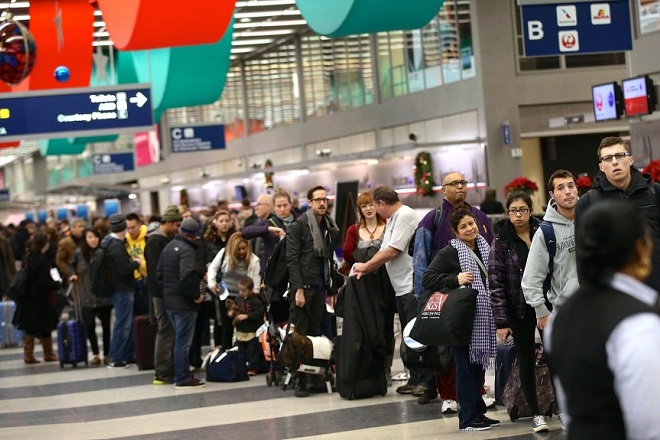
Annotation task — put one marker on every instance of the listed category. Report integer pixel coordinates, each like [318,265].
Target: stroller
[309,355]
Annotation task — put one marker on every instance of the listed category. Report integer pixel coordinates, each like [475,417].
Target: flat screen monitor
[607,101]
[638,96]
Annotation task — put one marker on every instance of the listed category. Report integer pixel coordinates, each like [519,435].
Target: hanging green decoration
[423,170]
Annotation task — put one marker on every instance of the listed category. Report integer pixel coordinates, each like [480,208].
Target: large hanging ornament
[18,51]
[423,170]
[62,74]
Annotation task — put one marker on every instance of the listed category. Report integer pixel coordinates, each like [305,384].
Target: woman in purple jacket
[512,315]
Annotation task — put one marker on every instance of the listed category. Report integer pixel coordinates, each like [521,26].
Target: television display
[638,96]
[607,101]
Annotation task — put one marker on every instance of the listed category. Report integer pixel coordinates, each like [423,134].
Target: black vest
[578,357]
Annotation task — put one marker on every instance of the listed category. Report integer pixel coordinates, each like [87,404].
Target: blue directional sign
[197,138]
[113,163]
[4,195]
[575,27]
[75,112]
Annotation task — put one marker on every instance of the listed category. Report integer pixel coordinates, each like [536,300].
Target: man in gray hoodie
[560,214]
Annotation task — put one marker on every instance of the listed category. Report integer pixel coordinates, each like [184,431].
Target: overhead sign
[4,195]
[113,163]
[197,138]
[576,27]
[75,112]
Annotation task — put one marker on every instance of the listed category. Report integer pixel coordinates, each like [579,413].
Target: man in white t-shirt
[401,225]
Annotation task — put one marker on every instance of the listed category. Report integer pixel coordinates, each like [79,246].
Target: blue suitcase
[10,336]
[506,355]
[72,338]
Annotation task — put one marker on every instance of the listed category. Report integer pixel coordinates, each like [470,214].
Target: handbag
[446,318]
[18,286]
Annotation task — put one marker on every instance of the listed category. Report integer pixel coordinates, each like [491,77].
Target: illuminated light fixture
[264,3]
[245,20]
[242,50]
[15,5]
[264,14]
[132,196]
[252,33]
[273,23]
[248,42]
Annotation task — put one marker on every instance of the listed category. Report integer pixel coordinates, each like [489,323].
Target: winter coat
[121,264]
[80,267]
[505,271]
[35,313]
[645,194]
[152,251]
[260,229]
[178,274]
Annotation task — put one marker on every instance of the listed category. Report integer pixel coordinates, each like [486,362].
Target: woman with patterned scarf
[463,263]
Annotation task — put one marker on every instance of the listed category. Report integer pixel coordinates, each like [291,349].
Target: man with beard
[620,179]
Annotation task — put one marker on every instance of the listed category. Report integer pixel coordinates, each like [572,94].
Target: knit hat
[171,214]
[190,226]
[117,223]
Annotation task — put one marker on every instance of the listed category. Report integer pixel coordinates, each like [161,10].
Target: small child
[247,313]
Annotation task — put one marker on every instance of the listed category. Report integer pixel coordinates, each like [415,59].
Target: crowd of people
[601,341]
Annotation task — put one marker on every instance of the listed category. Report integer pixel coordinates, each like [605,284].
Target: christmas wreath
[423,170]
[521,184]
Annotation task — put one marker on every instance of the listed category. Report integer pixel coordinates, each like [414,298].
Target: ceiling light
[252,33]
[264,3]
[247,42]
[266,14]
[132,196]
[271,23]
[242,49]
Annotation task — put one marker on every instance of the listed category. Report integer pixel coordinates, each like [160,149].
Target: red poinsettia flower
[521,184]
[584,182]
[653,168]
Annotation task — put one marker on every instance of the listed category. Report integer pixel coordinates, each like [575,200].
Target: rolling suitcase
[144,332]
[506,355]
[72,337]
[10,336]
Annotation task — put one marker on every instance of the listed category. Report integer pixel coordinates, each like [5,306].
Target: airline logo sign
[573,28]
[566,16]
[600,14]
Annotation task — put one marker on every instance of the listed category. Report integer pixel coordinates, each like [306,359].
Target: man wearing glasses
[433,233]
[309,253]
[619,178]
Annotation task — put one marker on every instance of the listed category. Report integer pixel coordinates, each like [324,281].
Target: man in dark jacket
[122,266]
[619,179]
[179,277]
[163,360]
[309,253]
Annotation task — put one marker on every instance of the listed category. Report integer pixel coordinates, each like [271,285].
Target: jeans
[469,378]
[252,349]
[122,346]
[163,352]
[183,322]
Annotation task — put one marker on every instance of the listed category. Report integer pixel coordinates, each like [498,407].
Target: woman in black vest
[604,342]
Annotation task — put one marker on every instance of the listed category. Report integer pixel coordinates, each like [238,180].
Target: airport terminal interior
[179,104]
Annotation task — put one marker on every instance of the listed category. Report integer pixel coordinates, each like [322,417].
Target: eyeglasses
[455,183]
[367,206]
[617,156]
[320,200]
[516,211]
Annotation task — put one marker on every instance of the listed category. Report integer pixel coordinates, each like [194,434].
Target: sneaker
[491,422]
[427,397]
[405,389]
[477,426]
[489,401]
[449,406]
[401,377]
[560,416]
[418,390]
[190,384]
[538,424]
[158,381]
[117,364]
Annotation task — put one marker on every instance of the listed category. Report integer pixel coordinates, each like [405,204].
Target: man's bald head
[264,206]
[454,187]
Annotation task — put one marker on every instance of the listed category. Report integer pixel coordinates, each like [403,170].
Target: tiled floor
[45,402]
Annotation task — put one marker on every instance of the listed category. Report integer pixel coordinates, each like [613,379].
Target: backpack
[100,275]
[551,244]
[277,272]
[437,218]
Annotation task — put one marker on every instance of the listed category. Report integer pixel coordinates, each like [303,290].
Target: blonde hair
[232,247]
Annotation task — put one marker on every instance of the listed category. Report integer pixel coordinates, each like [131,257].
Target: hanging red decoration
[18,51]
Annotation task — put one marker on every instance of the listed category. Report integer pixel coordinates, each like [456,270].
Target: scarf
[320,247]
[483,345]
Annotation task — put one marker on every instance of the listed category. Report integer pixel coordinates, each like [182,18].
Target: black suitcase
[144,334]
[370,380]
